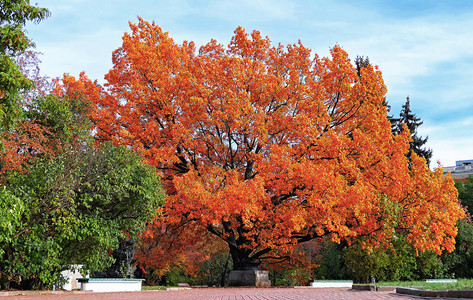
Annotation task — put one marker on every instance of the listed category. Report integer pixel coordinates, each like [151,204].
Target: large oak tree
[268,146]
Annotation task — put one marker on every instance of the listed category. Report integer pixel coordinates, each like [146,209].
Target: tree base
[256,278]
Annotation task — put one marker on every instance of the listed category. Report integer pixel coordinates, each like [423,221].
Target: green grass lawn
[154,287]
[461,284]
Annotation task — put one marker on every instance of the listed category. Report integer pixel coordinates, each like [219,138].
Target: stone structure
[258,278]
[71,275]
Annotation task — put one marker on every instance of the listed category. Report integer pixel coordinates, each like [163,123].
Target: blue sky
[424,48]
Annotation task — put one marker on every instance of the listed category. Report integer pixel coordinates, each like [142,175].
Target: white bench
[102,285]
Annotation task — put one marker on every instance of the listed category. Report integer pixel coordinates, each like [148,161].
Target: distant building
[461,171]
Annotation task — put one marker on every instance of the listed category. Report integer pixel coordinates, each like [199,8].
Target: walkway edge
[40,292]
[430,293]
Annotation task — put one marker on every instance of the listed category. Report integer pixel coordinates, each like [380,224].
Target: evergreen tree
[394,121]
[407,117]
[465,193]
[360,63]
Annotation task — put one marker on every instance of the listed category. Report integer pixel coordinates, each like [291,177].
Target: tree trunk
[246,269]
[242,260]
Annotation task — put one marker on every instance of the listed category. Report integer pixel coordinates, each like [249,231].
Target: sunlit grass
[154,287]
[461,284]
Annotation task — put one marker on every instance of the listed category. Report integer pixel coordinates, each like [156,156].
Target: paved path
[228,294]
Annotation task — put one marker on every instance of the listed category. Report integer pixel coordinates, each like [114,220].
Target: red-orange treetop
[267,146]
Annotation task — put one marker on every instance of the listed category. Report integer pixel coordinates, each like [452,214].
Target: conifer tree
[406,116]
[360,63]
[394,121]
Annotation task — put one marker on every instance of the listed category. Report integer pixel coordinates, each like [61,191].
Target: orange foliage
[304,257]
[267,146]
[21,145]
[161,247]
[28,139]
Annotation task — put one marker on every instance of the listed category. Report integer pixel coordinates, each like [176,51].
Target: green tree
[459,262]
[49,124]
[412,122]
[65,118]
[332,264]
[399,263]
[13,16]
[214,271]
[465,193]
[76,206]
[124,258]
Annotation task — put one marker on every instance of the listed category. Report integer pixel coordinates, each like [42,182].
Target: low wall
[102,285]
[373,287]
[435,294]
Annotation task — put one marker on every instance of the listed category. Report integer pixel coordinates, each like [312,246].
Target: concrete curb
[37,293]
[383,288]
[435,294]
[373,288]
[363,287]
[179,288]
